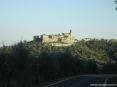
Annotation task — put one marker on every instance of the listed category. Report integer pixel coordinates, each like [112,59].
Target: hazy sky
[22,19]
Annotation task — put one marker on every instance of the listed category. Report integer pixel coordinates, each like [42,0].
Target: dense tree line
[28,63]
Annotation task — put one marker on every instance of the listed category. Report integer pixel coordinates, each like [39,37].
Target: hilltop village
[64,39]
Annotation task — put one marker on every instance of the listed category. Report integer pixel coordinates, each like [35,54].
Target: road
[85,81]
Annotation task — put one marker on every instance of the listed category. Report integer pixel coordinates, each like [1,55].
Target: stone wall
[64,39]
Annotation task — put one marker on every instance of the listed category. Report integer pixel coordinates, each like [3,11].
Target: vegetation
[29,63]
[116,4]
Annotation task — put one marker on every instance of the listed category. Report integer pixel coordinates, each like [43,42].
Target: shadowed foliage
[29,63]
[116,4]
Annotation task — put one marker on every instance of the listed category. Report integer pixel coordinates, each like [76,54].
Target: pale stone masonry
[64,39]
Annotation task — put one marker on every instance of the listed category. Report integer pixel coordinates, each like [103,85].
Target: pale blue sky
[22,19]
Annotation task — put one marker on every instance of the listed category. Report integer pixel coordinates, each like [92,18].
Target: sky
[22,19]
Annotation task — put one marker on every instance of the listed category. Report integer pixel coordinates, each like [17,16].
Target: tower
[70,34]
[70,31]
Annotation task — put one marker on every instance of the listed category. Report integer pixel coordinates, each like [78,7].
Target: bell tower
[70,34]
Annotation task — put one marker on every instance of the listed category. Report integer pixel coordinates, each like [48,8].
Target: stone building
[64,39]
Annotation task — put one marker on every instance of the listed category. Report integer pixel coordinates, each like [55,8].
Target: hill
[33,63]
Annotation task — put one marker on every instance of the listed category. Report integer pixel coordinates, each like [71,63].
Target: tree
[116,4]
[47,68]
[88,67]
[21,54]
[113,54]
[67,64]
[110,68]
[6,65]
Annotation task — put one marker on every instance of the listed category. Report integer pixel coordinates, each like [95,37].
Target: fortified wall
[64,39]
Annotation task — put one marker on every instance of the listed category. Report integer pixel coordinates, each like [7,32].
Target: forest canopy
[27,63]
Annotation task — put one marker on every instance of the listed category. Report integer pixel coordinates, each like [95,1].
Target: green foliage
[116,4]
[28,63]
[110,68]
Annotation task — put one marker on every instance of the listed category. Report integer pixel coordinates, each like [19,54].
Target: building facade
[64,39]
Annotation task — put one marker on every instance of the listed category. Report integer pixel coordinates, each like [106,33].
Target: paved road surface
[84,81]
